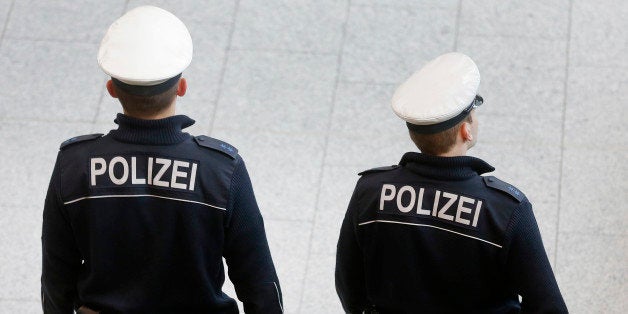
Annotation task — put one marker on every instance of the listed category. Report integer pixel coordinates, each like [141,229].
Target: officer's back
[140,219]
[431,234]
[148,218]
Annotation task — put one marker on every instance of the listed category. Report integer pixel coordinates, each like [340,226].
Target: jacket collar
[445,168]
[165,131]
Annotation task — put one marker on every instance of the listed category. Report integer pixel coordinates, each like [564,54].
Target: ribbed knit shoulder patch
[497,184]
[379,169]
[217,145]
[78,139]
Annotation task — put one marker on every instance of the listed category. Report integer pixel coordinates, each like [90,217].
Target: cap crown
[145,46]
[439,91]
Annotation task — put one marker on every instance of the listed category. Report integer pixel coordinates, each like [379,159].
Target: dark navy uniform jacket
[431,235]
[139,220]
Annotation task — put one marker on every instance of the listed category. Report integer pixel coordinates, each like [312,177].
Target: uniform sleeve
[60,257]
[529,269]
[350,281]
[247,253]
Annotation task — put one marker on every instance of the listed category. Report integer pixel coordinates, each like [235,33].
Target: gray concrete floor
[302,88]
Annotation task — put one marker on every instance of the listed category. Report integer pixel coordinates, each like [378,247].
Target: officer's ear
[182,88]
[111,90]
[465,131]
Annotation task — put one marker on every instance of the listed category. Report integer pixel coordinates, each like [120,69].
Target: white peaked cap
[440,91]
[146,46]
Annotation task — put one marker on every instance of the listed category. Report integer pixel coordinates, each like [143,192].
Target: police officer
[139,220]
[431,234]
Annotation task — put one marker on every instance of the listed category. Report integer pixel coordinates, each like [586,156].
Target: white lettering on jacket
[415,201]
[142,170]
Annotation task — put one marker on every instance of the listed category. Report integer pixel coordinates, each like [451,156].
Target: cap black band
[442,126]
[146,90]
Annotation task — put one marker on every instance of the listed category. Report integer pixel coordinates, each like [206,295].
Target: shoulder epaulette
[379,169]
[78,139]
[500,185]
[218,145]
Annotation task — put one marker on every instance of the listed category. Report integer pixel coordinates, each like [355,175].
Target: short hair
[438,143]
[135,104]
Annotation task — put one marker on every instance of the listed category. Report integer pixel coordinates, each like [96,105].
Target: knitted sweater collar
[445,168]
[165,131]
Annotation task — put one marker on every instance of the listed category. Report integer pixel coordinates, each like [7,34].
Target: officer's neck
[453,153]
[167,112]
[459,149]
[464,142]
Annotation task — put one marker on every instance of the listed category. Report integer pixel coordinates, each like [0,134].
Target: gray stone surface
[5,6]
[200,110]
[534,129]
[536,18]
[20,306]
[336,189]
[277,91]
[594,166]
[598,36]
[21,255]
[313,26]
[203,75]
[288,244]
[520,76]
[597,112]
[319,295]
[386,44]
[284,169]
[591,271]
[366,151]
[49,80]
[306,101]
[28,156]
[451,5]
[594,185]
[364,108]
[195,13]
[58,20]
